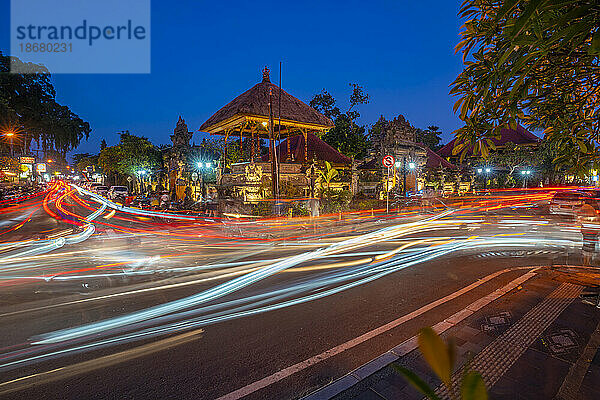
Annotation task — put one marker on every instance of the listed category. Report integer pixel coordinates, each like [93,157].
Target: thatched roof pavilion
[248,115]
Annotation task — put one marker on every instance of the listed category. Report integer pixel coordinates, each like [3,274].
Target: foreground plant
[440,357]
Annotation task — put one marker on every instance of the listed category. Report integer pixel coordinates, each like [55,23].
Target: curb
[369,368]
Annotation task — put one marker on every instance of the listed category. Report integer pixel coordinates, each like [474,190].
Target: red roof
[317,149]
[435,161]
[516,136]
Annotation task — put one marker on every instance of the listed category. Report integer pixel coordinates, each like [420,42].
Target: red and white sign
[388,161]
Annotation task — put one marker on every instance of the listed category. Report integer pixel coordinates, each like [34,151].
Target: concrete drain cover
[496,322]
[561,341]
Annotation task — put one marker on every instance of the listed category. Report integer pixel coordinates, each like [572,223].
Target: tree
[131,155]
[513,157]
[430,137]
[27,102]
[108,160]
[533,62]
[84,160]
[137,153]
[102,144]
[346,136]
[325,104]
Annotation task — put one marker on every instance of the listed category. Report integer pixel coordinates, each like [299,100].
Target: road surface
[104,301]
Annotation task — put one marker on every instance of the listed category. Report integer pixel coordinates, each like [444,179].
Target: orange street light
[50,161]
[9,134]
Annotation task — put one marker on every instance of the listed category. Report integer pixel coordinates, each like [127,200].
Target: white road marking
[286,372]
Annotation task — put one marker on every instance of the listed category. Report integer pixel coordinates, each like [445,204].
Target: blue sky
[205,53]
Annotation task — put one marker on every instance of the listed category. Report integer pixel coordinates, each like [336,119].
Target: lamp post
[525,173]
[10,135]
[485,171]
[141,173]
[413,168]
[202,166]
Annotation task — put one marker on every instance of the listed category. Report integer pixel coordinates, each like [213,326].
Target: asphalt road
[134,305]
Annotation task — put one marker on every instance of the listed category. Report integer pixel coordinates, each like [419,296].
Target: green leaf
[436,353]
[582,146]
[521,22]
[595,47]
[508,6]
[416,382]
[473,387]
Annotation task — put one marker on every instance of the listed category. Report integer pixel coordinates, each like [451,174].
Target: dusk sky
[206,53]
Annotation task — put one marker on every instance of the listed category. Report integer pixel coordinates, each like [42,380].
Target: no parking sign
[388,161]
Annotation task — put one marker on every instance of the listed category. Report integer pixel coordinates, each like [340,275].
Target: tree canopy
[28,105]
[132,154]
[430,137]
[346,136]
[533,62]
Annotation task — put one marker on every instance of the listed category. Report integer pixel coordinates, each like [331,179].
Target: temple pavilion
[292,129]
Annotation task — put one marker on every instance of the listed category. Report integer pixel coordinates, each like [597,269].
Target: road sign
[194,176]
[40,167]
[388,161]
[129,179]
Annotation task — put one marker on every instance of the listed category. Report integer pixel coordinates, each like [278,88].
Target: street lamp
[10,134]
[487,171]
[411,165]
[141,173]
[525,173]
[201,166]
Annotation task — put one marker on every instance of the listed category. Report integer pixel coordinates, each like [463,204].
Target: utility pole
[274,171]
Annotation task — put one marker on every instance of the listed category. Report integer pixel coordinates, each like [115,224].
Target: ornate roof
[516,136]
[317,150]
[255,103]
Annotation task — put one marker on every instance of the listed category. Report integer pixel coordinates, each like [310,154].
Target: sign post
[388,162]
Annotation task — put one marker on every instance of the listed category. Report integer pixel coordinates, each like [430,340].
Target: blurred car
[101,190]
[117,191]
[141,201]
[92,187]
[570,202]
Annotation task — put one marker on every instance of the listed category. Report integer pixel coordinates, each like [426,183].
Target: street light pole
[404,175]
[525,174]
[387,192]
[10,136]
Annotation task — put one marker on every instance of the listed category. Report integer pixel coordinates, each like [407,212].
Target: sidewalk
[537,341]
